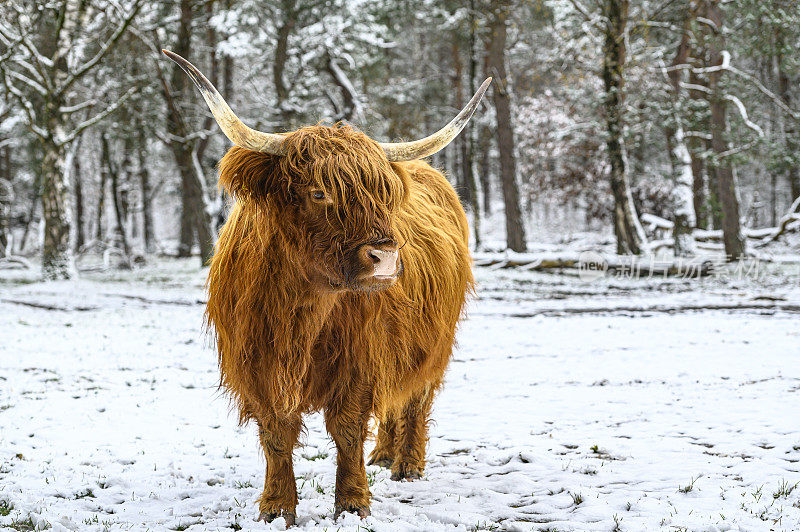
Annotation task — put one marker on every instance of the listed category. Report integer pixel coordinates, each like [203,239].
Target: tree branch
[29,82]
[77,107]
[77,130]
[743,111]
[24,103]
[104,48]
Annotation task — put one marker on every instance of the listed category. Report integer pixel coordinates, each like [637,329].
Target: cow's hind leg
[411,436]
[383,453]
[346,420]
[278,438]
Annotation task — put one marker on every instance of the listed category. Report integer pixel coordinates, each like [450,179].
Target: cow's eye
[318,195]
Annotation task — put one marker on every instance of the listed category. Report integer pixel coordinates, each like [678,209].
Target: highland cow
[336,285]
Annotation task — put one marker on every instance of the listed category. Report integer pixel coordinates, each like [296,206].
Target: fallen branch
[182,303]
[786,223]
[596,265]
[15,262]
[45,306]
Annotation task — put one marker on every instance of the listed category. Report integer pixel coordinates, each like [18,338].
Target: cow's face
[344,197]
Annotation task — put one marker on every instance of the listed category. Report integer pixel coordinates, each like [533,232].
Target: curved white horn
[408,151]
[234,129]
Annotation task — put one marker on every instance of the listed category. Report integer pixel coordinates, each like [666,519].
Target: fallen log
[14,262]
[594,265]
[44,306]
[790,222]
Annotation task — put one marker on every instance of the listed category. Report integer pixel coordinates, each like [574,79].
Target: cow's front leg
[346,421]
[278,438]
[411,436]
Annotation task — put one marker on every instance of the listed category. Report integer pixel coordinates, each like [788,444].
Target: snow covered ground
[611,405]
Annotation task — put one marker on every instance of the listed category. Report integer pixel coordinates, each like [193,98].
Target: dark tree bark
[113,173]
[227,69]
[37,192]
[515,231]
[725,173]
[56,256]
[145,194]
[285,29]
[468,144]
[484,167]
[457,77]
[627,228]
[101,200]
[175,125]
[698,147]
[6,196]
[194,218]
[790,124]
[77,183]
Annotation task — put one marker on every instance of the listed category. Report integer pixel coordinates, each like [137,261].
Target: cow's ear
[251,175]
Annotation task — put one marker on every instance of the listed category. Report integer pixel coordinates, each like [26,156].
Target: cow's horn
[234,129]
[408,151]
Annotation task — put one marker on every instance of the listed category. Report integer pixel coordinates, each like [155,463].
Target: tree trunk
[6,197]
[186,236]
[725,173]
[37,192]
[144,194]
[789,123]
[120,238]
[515,231]
[201,217]
[101,202]
[698,147]
[285,29]
[468,146]
[627,228]
[227,69]
[698,187]
[684,220]
[194,219]
[77,180]
[484,168]
[56,256]
[458,93]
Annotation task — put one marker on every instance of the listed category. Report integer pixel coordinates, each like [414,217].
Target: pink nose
[384,261]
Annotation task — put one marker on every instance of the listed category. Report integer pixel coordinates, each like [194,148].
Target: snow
[629,413]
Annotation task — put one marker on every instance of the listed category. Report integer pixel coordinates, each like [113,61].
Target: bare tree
[496,45]
[725,172]
[684,220]
[628,229]
[77,187]
[791,132]
[50,51]
[182,142]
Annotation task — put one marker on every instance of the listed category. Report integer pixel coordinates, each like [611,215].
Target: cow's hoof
[383,461]
[361,511]
[268,517]
[406,471]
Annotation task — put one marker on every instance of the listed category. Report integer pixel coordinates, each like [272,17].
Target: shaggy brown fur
[297,328]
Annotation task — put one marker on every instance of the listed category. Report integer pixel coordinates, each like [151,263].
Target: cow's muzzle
[378,263]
